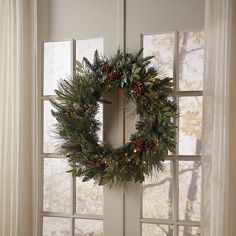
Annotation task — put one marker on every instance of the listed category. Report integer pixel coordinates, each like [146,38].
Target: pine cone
[79,111]
[139,145]
[138,88]
[150,145]
[109,78]
[96,162]
[106,69]
[108,73]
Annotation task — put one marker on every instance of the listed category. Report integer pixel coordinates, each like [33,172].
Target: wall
[79,19]
[66,19]
[152,16]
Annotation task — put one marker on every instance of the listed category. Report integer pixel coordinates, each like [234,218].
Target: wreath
[77,103]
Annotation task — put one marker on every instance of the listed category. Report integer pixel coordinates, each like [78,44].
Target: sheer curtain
[219,131]
[17,86]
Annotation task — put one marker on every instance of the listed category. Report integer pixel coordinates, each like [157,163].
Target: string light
[135,151]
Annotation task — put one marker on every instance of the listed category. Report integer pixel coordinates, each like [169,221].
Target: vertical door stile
[114,206]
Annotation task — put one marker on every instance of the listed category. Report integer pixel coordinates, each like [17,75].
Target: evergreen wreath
[77,104]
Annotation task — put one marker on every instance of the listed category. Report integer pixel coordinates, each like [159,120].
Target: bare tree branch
[193,50]
[151,185]
[163,230]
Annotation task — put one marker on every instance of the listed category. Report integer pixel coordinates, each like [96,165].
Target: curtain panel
[17,117]
[219,131]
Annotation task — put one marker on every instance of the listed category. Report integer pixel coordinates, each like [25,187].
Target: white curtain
[219,119]
[17,109]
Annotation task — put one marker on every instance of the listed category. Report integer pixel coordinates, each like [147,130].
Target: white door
[169,203]
[69,207]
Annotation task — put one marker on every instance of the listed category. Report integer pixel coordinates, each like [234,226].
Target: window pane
[89,198]
[51,139]
[57,64]
[162,47]
[86,48]
[189,231]
[99,116]
[190,125]
[158,195]
[57,185]
[56,226]
[157,230]
[189,190]
[88,227]
[191,59]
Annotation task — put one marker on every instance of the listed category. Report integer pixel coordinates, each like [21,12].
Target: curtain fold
[17,97]
[219,131]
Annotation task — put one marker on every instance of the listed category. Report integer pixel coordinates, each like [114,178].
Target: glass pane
[56,226]
[57,64]
[189,231]
[51,139]
[190,125]
[191,59]
[57,185]
[86,48]
[162,47]
[157,230]
[89,198]
[88,228]
[158,195]
[99,116]
[189,190]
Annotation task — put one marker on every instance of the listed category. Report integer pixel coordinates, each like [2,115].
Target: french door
[165,205]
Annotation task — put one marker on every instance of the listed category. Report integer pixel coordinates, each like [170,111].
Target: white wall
[79,19]
[66,19]
[152,16]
